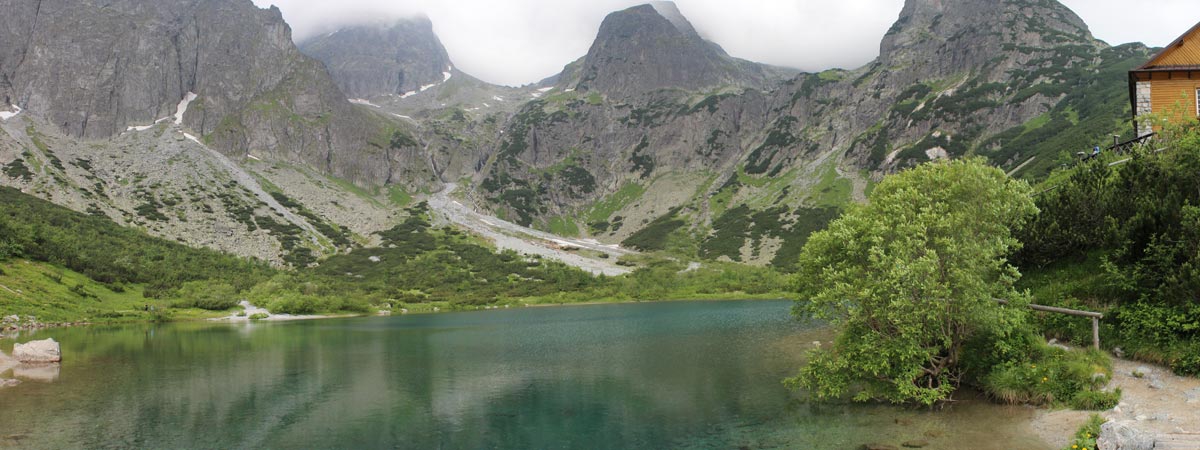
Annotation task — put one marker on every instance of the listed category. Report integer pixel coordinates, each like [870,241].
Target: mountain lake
[689,375]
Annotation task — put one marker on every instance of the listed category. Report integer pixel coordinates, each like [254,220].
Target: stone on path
[38,352]
[1123,435]
[1193,396]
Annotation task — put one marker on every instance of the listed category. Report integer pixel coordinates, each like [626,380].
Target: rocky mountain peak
[225,70]
[392,58]
[653,46]
[671,12]
[1029,21]
[970,33]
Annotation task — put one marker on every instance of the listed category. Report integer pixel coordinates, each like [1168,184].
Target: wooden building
[1169,83]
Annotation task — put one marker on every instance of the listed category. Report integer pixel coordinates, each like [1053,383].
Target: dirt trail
[508,235]
[1158,401]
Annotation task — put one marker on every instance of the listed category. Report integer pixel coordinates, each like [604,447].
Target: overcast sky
[515,42]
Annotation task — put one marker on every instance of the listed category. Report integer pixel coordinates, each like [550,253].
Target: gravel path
[1158,401]
[508,235]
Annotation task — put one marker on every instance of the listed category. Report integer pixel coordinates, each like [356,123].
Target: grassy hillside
[53,294]
[64,266]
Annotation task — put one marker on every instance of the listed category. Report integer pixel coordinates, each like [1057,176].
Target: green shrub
[259,316]
[654,236]
[1085,438]
[210,295]
[1096,400]
[1053,376]
[1187,361]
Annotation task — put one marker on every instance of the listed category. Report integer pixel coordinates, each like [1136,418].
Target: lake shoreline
[231,316]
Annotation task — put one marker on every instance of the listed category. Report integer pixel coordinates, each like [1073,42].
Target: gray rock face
[95,67]
[953,78]
[1124,436]
[38,352]
[651,47]
[944,36]
[373,60]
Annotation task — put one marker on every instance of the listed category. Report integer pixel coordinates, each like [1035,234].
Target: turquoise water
[656,375]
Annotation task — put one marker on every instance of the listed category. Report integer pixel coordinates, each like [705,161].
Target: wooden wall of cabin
[1174,94]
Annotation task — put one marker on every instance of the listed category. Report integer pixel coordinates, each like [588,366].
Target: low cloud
[514,42]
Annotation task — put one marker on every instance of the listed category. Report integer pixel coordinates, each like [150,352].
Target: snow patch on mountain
[363,101]
[182,108]
[5,115]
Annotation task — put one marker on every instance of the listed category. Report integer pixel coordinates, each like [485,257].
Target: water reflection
[629,376]
[44,373]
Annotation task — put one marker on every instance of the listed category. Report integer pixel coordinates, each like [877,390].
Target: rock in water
[38,352]
[1124,435]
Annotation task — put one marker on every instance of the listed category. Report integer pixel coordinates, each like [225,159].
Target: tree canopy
[910,278]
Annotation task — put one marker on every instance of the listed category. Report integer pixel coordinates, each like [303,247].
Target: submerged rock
[1124,435]
[38,352]
[8,382]
[878,447]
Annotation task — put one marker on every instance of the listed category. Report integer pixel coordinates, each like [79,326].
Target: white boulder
[38,352]
[1124,435]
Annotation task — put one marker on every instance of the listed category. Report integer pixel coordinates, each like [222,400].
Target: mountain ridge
[701,155]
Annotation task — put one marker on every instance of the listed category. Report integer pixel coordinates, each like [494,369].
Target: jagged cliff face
[656,138]
[651,47]
[374,60]
[197,120]
[943,37]
[743,165]
[94,68]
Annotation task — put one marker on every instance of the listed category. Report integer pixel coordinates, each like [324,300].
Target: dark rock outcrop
[651,47]
[651,98]
[95,67]
[373,60]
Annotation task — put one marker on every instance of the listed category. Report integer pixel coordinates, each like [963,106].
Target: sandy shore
[1159,401]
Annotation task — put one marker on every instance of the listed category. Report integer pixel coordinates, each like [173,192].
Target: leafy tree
[210,295]
[911,278]
[12,235]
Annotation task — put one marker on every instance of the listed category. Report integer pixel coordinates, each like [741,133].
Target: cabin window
[1197,102]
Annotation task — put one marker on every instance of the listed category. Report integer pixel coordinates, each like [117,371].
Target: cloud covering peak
[515,42]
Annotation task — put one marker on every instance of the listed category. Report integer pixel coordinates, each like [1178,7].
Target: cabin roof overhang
[1152,64]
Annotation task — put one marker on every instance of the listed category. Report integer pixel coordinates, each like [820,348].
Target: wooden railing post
[1072,312]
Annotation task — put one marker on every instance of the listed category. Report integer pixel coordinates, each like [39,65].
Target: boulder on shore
[38,352]
[1124,435]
